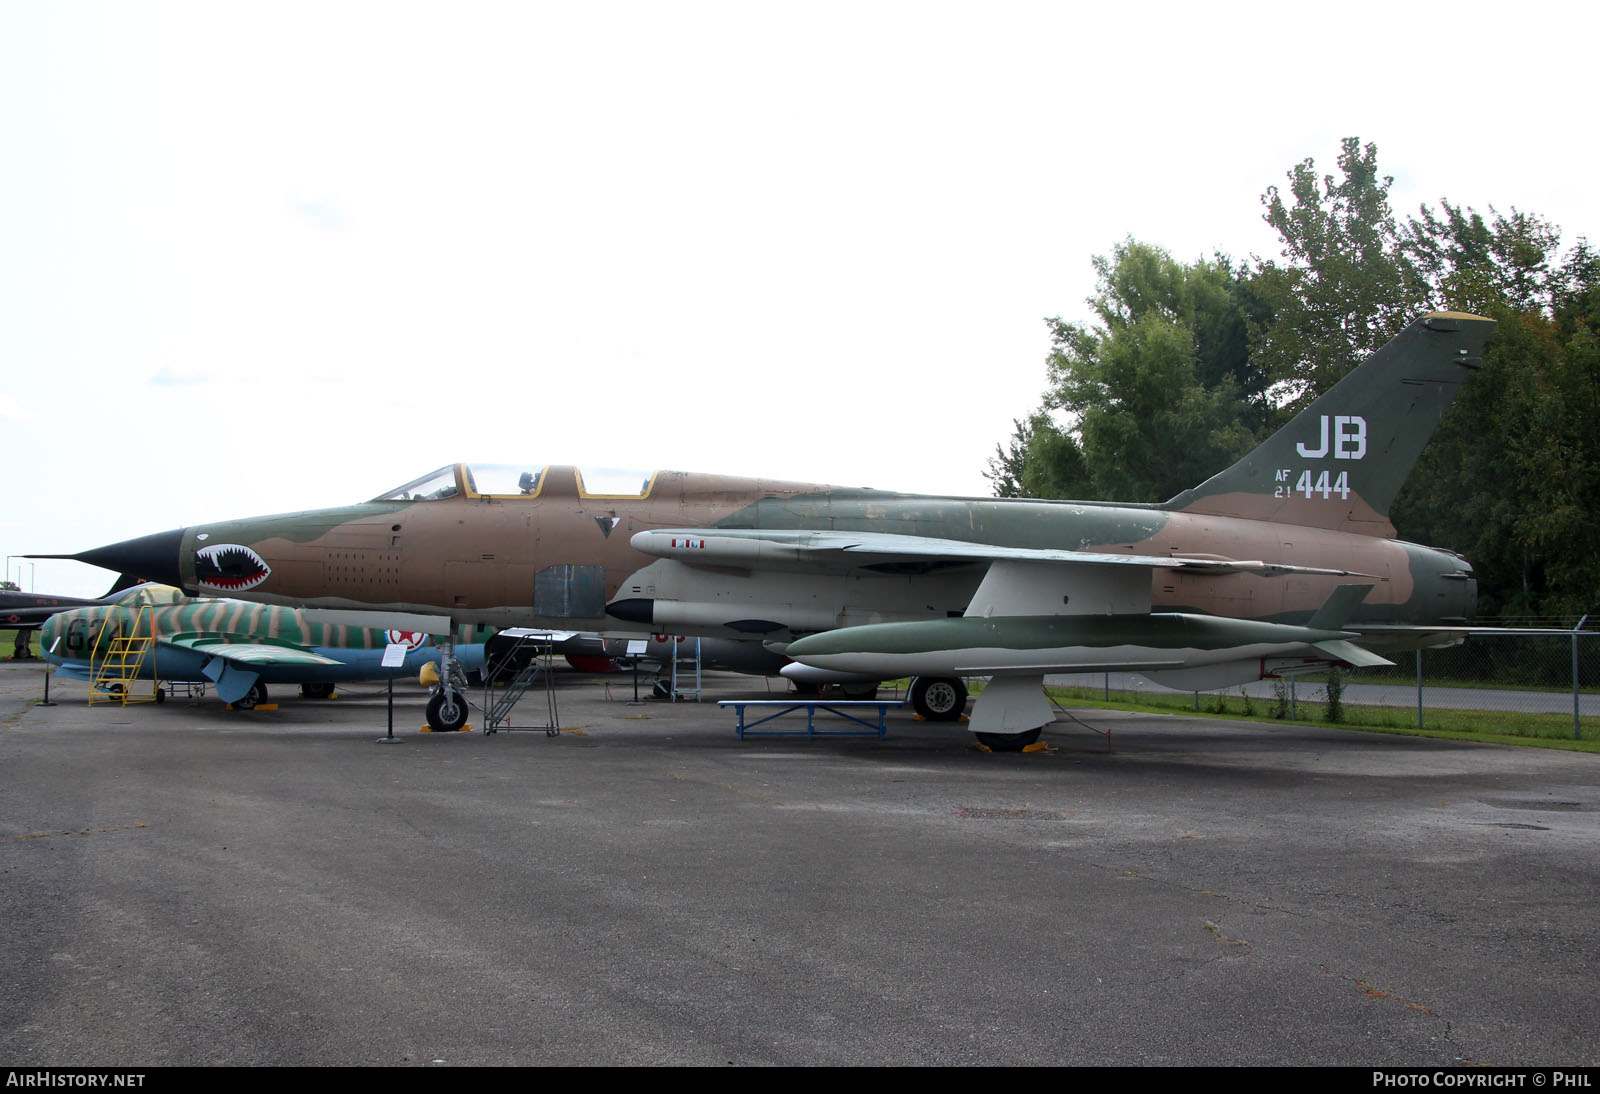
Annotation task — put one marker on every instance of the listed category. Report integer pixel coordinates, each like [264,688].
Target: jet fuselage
[557,558]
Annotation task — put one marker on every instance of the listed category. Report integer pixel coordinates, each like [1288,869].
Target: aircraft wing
[555,637]
[814,550]
[248,653]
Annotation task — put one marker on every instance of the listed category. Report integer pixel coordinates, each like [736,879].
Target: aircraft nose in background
[148,558]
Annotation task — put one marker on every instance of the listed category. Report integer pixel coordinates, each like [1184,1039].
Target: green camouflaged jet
[1284,562]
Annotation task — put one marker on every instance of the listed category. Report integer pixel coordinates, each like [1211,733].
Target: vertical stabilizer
[1342,460]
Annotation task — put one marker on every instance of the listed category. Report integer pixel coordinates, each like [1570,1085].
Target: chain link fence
[1523,683]
[1549,673]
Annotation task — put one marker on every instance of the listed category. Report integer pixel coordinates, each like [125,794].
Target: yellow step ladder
[116,666]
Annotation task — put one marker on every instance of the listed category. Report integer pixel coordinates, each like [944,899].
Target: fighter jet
[28,611]
[241,648]
[1286,561]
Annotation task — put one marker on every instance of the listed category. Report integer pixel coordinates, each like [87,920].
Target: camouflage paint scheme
[232,644]
[1268,540]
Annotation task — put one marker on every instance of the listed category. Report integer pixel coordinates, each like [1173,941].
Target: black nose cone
[148,558]
[636,610]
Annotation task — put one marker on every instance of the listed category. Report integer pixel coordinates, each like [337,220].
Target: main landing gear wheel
[318,690]
[939,698]
[447,712]
[859,691]
[252,698]
[1008,742]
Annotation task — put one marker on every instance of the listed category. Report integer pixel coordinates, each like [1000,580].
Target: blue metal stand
[780,707]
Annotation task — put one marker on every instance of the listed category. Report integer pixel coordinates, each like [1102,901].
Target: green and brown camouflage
[1268,540]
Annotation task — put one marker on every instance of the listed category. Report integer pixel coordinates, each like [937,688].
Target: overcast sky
[264,257]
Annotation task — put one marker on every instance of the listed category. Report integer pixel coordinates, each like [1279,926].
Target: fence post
[1419,687]
[1576,721]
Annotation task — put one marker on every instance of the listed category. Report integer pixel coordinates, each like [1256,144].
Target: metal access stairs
[498,712]
[684,670]
[118,657]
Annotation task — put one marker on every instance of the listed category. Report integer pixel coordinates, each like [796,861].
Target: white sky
[264,257]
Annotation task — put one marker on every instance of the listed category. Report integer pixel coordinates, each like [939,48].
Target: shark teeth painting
[229,568]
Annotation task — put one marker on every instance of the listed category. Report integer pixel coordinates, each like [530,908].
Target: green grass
[1490,726]
[1410,680]
[8,637]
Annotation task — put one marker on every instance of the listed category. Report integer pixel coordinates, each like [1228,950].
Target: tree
[1040,461]
[1476,266]
[1511,473]
[1512,480]
[1345,286]
[1154,397]
[1183,368]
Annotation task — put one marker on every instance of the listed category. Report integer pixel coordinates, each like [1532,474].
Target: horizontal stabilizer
[1352,654]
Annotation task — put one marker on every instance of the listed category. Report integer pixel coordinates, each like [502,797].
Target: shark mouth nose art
[229,567]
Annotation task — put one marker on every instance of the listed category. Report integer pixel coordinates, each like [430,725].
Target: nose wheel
[447,711]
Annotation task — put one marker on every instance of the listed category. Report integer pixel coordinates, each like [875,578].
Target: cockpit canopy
[488,480]
[138,596]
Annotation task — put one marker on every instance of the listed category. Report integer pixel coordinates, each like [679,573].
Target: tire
[447,715]
[939,698]
[859,691]
[252,698]
[318,690]
[1008,742]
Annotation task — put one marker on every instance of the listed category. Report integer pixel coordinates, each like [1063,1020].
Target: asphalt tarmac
[182,884]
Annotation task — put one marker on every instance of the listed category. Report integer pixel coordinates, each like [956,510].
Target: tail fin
[1342,460]
[124,581]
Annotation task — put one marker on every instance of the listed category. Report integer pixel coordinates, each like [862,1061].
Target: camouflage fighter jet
[1285,561]
[240,648]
